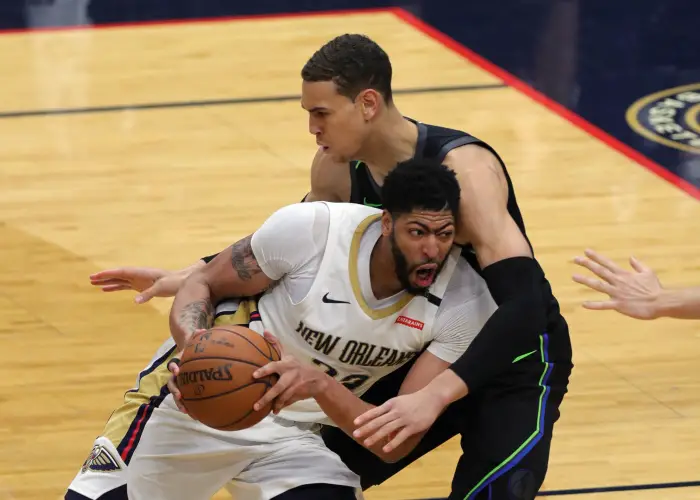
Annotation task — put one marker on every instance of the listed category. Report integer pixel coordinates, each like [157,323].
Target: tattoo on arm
[243,260]
[197,315]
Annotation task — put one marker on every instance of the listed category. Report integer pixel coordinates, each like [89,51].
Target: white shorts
[179,458]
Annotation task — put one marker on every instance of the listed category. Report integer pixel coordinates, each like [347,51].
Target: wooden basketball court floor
[87,190]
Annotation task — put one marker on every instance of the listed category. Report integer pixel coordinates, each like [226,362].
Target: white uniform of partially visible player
[324,313]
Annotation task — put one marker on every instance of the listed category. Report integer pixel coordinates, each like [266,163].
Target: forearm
[192,309]
[447,387]
[681,303]
[343,407]
[517,287]
[187,271]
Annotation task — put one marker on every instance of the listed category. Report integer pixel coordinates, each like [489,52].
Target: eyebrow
[430,230]
[316,108]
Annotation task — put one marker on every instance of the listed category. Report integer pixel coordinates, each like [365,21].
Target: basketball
[216,377]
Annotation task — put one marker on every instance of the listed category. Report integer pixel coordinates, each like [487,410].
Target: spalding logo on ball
[216,377]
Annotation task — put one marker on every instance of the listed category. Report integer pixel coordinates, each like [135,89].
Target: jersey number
[350,382]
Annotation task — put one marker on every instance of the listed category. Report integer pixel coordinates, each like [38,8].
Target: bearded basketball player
[381,286]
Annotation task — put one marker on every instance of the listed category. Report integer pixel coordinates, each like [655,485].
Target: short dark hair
[354,63]
[420,184]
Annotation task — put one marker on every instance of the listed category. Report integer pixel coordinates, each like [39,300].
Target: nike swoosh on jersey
[333,301]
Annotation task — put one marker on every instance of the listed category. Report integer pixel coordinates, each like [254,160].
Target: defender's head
[421,209]
[346,83]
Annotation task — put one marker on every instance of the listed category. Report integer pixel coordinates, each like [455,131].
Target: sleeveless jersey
[435,142]
[334,328]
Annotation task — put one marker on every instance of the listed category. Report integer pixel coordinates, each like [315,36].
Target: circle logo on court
[670,117]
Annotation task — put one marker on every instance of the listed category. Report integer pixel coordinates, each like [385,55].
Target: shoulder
[464,283]
[291,237]
[467,296]
[297,215]
[476,161]
[330,179]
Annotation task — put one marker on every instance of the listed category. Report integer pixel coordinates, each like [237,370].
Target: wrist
[322,386]
[447,388]
[665,303]
[185,272]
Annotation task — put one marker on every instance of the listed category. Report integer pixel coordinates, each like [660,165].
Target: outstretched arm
[514,278]
[637,293]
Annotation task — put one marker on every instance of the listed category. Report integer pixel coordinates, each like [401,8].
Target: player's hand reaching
[398,419]
[150,282]
[296,381]
[632,293]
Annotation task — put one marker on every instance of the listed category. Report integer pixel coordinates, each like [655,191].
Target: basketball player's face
[420,244]
[339,124]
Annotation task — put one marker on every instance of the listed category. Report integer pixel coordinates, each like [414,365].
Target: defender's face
[421,242]
[335,120]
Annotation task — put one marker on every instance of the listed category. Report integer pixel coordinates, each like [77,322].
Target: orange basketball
[216,377]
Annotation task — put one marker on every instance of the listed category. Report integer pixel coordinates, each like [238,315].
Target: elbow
[530,309]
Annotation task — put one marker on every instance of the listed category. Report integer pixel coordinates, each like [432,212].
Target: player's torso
[335,329]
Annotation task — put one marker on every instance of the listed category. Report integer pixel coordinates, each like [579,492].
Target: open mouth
[425,275]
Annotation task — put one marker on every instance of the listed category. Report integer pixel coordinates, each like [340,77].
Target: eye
[416,232]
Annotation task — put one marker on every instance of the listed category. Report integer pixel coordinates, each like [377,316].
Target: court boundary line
[508,78]
[553,106]
[4,115]
[610,489]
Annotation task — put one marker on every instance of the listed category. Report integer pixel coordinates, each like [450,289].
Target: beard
[403,272]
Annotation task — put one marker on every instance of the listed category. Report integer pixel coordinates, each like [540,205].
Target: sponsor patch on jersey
[411,323]
[670,117]
[100,460]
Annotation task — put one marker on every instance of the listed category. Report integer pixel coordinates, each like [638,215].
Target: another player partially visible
[637,293]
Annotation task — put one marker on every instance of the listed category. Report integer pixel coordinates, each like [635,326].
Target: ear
[370,102]
[387,223]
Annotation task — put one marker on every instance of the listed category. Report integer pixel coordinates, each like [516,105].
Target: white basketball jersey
[334,328]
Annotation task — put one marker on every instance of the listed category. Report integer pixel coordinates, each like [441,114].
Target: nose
[430,247]
[314,129]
